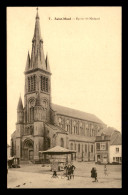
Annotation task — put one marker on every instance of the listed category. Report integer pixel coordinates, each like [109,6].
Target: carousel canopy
[58,150]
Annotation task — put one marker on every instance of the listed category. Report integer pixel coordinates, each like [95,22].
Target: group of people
[69,172]
[69,168]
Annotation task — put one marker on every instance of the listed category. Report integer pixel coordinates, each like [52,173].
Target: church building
[40,123]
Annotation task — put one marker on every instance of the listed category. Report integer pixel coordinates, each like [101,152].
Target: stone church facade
[40,123]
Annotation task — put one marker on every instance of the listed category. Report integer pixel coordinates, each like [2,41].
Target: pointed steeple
[37,31]
[28,62]
[47,63]
[20,104]
[37,55]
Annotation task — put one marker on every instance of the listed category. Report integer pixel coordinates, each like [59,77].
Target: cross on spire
[37,13]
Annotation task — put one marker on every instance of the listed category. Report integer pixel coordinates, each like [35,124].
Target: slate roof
[115,135]
[108,131]
[116,139]
[76,113]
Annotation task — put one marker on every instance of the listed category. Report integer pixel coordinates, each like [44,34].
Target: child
[54,174]
[105,170]
[95,175]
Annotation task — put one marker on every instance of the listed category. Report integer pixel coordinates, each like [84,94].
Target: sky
[84,55]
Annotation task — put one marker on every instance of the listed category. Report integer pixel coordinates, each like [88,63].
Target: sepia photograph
[64,97]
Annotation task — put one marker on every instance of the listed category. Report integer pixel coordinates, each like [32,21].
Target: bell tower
[37,79]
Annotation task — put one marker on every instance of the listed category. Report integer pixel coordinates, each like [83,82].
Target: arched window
[27,131]
[66,128]
[69,129]
[47,143]
[71,146]
[54,140]
[74,130]
[29,85]
[75,147]
[78,147]
[46,83]
[31,104]
[85,148]
[43,83]
[34,82]
[31,114]
[32,86]
[62,142]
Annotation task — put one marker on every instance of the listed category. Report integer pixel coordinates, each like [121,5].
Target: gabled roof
[76,113]
[116,140]
[112,133]
[108,131]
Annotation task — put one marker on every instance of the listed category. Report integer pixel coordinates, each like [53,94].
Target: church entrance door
[30,154]
[28,149]
[25,154]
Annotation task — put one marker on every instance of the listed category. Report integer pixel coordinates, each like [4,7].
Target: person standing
[72,170]
[94,174]
[66,169]
[69,172]
[105,170]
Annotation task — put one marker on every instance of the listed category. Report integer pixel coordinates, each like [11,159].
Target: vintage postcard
[64,97]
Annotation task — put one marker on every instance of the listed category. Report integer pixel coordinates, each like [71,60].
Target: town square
[36,176]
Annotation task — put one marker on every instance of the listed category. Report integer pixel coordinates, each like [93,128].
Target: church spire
[37,55]
[20,104]
[47,63]
[28,62]
[37,31]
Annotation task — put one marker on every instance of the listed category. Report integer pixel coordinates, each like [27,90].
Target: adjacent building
[40,123]
[102,148]
[108,146]
[115,154]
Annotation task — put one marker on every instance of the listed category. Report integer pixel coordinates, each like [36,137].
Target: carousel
[58,157]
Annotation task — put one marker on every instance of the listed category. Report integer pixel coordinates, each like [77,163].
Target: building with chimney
[40,123]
